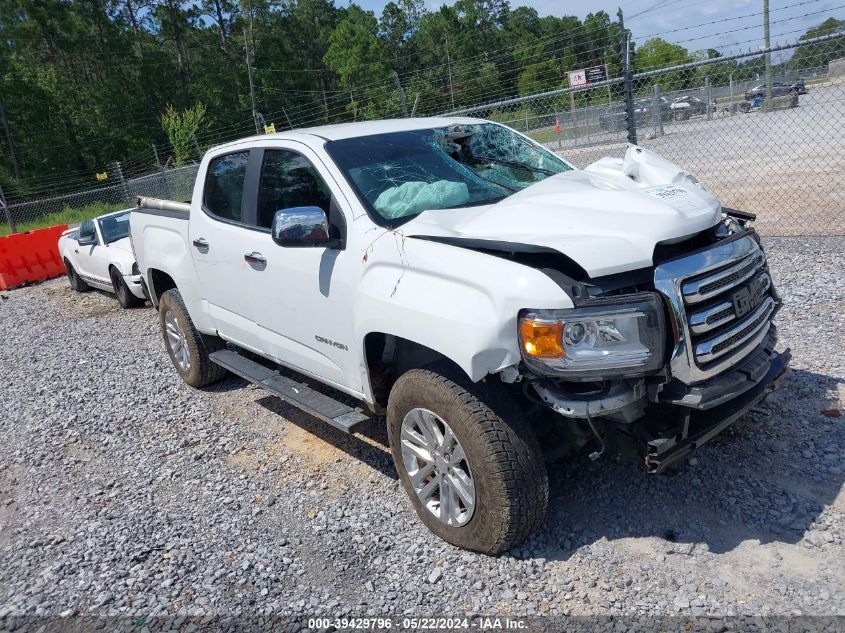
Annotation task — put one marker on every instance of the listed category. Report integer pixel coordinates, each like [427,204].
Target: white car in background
[98,254]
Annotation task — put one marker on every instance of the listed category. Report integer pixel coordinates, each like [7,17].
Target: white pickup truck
[479,292]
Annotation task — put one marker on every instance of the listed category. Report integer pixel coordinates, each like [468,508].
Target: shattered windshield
[401,174]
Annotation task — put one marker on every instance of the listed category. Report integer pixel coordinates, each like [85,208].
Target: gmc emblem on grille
[748,297]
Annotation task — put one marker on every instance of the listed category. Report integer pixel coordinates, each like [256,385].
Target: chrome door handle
[201,242]
[255,258]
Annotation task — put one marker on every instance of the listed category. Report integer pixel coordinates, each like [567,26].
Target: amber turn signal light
[541,339]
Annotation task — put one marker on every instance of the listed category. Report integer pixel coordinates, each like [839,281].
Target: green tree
[181,128]
[818,55]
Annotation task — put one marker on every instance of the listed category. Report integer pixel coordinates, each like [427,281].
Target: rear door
[221,237]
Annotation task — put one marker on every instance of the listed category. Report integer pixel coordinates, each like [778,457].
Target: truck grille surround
[722,302]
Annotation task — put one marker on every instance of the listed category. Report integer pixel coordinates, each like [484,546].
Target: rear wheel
[124,296]
[475,478]
[75,280]
[188,348]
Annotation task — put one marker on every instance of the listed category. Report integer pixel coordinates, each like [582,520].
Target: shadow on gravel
[768,479]
[230,383]
[376,454]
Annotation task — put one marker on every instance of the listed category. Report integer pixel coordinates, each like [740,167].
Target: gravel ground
[123,491]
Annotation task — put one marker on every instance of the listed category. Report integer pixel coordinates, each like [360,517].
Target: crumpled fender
[456,301]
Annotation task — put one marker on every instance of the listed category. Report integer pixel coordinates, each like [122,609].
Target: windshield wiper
[513,163]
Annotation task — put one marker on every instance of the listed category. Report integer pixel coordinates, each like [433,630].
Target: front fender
[123,262]
[458,302]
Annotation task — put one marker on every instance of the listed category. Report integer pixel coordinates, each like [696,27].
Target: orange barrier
[31,256]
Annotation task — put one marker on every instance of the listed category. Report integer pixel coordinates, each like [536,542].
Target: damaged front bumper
[666,425]
[662,445]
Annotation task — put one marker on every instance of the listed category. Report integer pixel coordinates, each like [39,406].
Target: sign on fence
[596,74]
[577,78]
[587,76]
[102,175]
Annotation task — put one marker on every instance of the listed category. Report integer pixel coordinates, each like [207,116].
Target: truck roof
[363,128]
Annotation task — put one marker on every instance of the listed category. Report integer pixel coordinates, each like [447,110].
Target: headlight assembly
[615,337]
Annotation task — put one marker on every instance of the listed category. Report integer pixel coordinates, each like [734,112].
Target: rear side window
[224,186]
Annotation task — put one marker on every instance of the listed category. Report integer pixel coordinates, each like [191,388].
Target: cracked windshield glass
[401,174]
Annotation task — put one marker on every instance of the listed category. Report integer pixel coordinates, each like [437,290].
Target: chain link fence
[782,158]
[174,183]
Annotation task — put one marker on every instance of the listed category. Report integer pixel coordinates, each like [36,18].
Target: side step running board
[300,395]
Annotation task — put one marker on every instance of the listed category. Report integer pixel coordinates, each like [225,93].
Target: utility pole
[768,43]
[449,65]
[285,112]
[625,46]
[118,171]
[401,92]
[10,140]
[8,214]
[251,86]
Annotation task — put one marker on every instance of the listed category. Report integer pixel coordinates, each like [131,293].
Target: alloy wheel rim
[438,467]
[177,341]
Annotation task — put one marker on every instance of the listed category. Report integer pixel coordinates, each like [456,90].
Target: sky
[685,21]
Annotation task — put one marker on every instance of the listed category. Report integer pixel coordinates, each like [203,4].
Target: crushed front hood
[607,218]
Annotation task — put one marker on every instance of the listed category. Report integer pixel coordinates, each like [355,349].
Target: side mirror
[87,240]
[301,226]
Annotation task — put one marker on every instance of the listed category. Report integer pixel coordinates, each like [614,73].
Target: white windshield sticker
[678,197]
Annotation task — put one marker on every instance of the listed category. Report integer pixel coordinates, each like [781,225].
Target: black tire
[504,457]
[200,371]
[76,282]
[124,296]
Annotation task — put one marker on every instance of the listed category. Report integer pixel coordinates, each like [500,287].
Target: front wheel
[188,348]
[475,478]
[124,296]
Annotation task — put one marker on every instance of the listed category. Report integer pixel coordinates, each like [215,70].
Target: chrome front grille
[722,301]
[718,282]
[728,341]
[706,319]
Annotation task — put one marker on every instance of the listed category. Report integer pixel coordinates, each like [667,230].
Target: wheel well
[160,282]
[388,357]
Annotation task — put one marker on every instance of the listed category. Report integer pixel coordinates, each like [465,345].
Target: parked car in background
[778,89]
[683,107]
[98,254]
[613,118]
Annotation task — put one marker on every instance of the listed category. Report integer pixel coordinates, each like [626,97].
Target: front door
[90,256]
[302,299]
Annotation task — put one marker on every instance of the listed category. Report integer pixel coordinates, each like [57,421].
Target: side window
[289,180]
[224,186]
[86,229]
